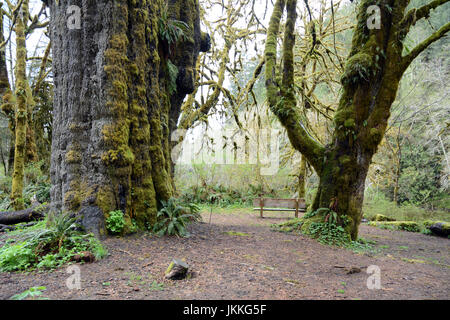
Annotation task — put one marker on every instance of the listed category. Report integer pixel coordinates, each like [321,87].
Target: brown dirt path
[262,264]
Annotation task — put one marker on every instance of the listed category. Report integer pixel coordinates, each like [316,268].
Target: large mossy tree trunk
[369,87]
[112,105]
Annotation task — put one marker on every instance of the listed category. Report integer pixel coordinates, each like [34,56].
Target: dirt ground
[257,263]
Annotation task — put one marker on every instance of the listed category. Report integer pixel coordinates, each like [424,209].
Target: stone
[441,229]
[177,270]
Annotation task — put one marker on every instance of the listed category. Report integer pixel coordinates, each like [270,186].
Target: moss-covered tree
[23,105]
[18,105]
[370,81]
[118,79]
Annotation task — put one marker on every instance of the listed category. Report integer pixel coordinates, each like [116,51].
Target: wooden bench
[269,204]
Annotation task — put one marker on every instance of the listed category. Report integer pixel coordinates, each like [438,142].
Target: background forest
[409,175]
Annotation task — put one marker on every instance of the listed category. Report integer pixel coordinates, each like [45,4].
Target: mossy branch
[283,102]
[408,59]
[414,15]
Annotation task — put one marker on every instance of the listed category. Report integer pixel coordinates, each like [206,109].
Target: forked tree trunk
[342,184]
[370,82]
[110,146]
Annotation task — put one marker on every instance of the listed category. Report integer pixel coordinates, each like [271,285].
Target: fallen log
[4,228]
[27,215]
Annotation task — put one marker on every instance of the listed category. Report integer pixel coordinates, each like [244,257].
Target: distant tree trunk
[11,152]
[6,99]
[23,101]
[369,87]
[112,105]
[302,178]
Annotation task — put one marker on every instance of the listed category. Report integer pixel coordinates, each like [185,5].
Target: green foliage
[329,233]
[293,225]
[358,69]
[41,190]
[48,261]
[420,175]
[171,30]
[225,185]
[115,222]
[173,218]
[173,74]
[378,203]
[47,245]
[327,227]
[156,286]
[60,226]
[16,257]
[34,293]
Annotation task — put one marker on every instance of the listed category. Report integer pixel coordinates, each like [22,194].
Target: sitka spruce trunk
[115,75]
[370,81]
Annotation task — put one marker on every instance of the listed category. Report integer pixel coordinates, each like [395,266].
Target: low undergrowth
[327,227]
[174,217]
[47,245]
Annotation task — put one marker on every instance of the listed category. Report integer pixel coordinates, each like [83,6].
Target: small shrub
[17,257]
[47,245]
[34,293]
[173,218]
[115,222]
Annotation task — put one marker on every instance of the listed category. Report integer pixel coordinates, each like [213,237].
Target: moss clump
[238,234]
[428,223]
[344,160]
[293,225]
[358,69]
[349,123]
[73,156]
[380,217]
[410,226]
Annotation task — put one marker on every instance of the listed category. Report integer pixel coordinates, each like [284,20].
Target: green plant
[34,293]
[328,227]
[155,286]
[115,222]
[48,245]
[173,74]
[329,234]
[49,261]
[173,218]
[17,257]
[171,30]
[59,227]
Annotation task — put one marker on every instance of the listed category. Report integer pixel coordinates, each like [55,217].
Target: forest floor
[238,256]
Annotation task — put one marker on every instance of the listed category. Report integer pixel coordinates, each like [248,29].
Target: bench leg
[261,204]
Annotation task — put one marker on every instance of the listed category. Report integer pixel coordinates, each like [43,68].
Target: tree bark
[112,104]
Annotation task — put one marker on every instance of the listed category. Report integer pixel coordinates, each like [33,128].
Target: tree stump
[177,270]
